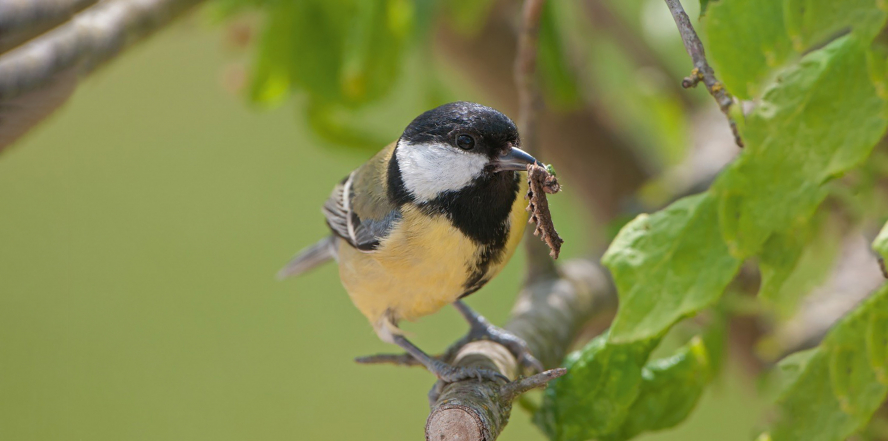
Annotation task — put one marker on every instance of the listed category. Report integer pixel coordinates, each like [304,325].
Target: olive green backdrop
[140,230]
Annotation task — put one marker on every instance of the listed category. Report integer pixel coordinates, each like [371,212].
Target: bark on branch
[548,315]
[38,76]
[22,20]
[702,71]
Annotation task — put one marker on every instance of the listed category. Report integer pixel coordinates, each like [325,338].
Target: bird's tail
[310,257]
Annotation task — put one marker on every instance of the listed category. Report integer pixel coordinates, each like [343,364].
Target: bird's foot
[403,359]
[513,343]
[445,372]
[484,330]
[451,374]
[516,346]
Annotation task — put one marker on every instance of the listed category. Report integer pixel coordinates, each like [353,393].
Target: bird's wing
[359,210]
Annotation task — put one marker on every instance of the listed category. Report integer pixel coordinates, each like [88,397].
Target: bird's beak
[515,159]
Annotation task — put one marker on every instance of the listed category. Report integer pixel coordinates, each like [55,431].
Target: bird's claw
[451,374]
[445,372]
[484,330]
[402,359]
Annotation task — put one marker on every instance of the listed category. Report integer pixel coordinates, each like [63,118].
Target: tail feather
[310,258]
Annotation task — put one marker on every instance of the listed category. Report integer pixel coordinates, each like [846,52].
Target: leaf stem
[539,264]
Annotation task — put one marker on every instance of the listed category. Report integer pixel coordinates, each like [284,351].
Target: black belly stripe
[481,212]
[478,276]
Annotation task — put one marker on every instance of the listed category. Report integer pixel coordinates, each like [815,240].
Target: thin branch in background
[92,37]
[525,72]
[55,60]
[539,264]
[852,279]
[702,71]
[22,20]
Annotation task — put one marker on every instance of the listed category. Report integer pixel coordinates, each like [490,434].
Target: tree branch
[702,71]
[56,59]
[22,20]
[548,315]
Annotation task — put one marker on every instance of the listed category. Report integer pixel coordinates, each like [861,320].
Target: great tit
[427,221]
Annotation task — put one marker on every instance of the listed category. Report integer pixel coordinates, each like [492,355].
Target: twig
[539,264]
[548,316]
[72,50]
[702,71]
[525,71]
[512,390]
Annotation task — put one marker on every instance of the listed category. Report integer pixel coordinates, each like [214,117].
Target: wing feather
[358,209]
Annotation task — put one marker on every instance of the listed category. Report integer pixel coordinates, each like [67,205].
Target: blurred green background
[140,232]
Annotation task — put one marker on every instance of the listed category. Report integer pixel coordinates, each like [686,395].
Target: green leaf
[749,39]
[667,266]
[317,36]
[468,16]
[835,389]
[337,125]
[813,23]
[656,261]
[789,369]
[594,397]
[270,76]
[800,136]
[670,389]
[219,10]
[609,393]
[794,262]
[703,5]
[880,245]
[345,52]
[746,42]
[372,48]
[671,264]
[301,47]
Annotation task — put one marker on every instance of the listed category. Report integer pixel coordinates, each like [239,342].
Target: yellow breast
[421,266]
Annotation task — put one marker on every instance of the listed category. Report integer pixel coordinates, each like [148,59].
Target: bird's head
[457,145]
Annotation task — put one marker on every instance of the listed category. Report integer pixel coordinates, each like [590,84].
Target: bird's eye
[465,142]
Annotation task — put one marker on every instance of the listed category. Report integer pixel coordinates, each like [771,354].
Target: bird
[427,221]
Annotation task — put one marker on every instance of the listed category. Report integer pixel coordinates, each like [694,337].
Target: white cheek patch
[430,169]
